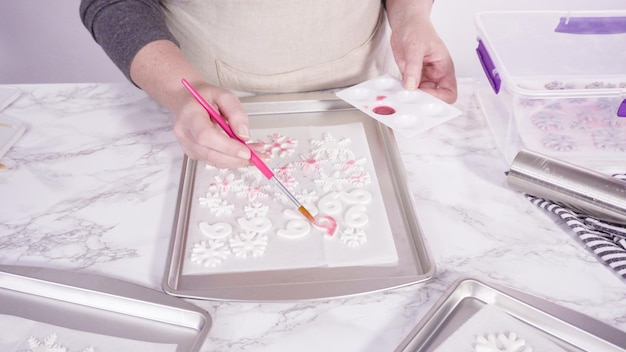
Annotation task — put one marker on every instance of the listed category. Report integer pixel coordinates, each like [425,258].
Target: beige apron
[277,46]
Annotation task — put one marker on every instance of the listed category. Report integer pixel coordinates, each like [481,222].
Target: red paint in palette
[384,110]
[380,97]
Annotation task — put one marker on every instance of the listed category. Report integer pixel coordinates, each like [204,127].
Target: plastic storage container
[555,83]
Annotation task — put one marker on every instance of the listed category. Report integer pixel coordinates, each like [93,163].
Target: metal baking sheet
[570,330]
[414,261]
[101,305]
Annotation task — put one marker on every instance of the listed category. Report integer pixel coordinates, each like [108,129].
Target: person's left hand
[421,55]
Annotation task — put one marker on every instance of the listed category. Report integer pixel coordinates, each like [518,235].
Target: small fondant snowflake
[280,145]
[546,121]
[307,196]
[284,170]
[210,200]
[248,244]
[350,165]
[334,181]
[353,237]
[222,208]
[288,181]
[612,140]
[49,344]
[309,162]
[226,183]
[256,209]
[501,343]
[330,147]
[254,191]
[359,180]
[561,143]
[209,253]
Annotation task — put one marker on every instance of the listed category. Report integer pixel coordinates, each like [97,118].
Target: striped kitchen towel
[606,240]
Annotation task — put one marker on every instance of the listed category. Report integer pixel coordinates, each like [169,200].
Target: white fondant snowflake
[288,181]
[546,120]
[254,191]
[210,200]
[612,140]
[501,343]
[250,171]
[222,208]
[256,209]
[307,196]
[330,147]
[209,253]
[280,145]
[334,181]
[248,244]
[49,344]
[353,237]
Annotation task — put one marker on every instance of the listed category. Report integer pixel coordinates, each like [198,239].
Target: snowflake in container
[501,343]
[562,143]
[353,237]
[280,145]
[546,121]
[209,253]
[330,147]
[613,140]
[248,244]
[256,209]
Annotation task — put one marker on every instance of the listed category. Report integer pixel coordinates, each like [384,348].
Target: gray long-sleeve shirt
[123,27]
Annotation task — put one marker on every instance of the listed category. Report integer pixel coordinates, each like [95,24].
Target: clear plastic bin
[555,83]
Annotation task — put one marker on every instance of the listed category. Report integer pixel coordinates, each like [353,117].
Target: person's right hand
[201,138]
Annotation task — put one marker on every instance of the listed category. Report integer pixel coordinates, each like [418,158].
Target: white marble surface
[92,186]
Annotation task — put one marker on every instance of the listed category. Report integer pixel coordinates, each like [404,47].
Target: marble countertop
[92,185]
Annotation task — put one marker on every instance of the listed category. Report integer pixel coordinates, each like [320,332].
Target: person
[224,47]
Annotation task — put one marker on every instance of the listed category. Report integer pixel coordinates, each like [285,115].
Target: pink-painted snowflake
[501,343]
[280,145]
[284,170]
[288,181]
[359,179]
[248,244]
[226,183]
[349,165]
[330,147]
[309,162]
[209,253]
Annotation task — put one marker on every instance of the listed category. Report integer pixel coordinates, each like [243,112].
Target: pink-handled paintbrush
[254,158]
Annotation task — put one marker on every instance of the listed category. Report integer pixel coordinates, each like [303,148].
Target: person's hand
[201,138]
[420,54]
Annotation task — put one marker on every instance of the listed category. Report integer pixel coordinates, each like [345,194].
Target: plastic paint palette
[407,112]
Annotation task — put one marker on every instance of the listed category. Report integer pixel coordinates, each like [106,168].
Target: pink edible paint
[384,110]
[380,97]
[326,223]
